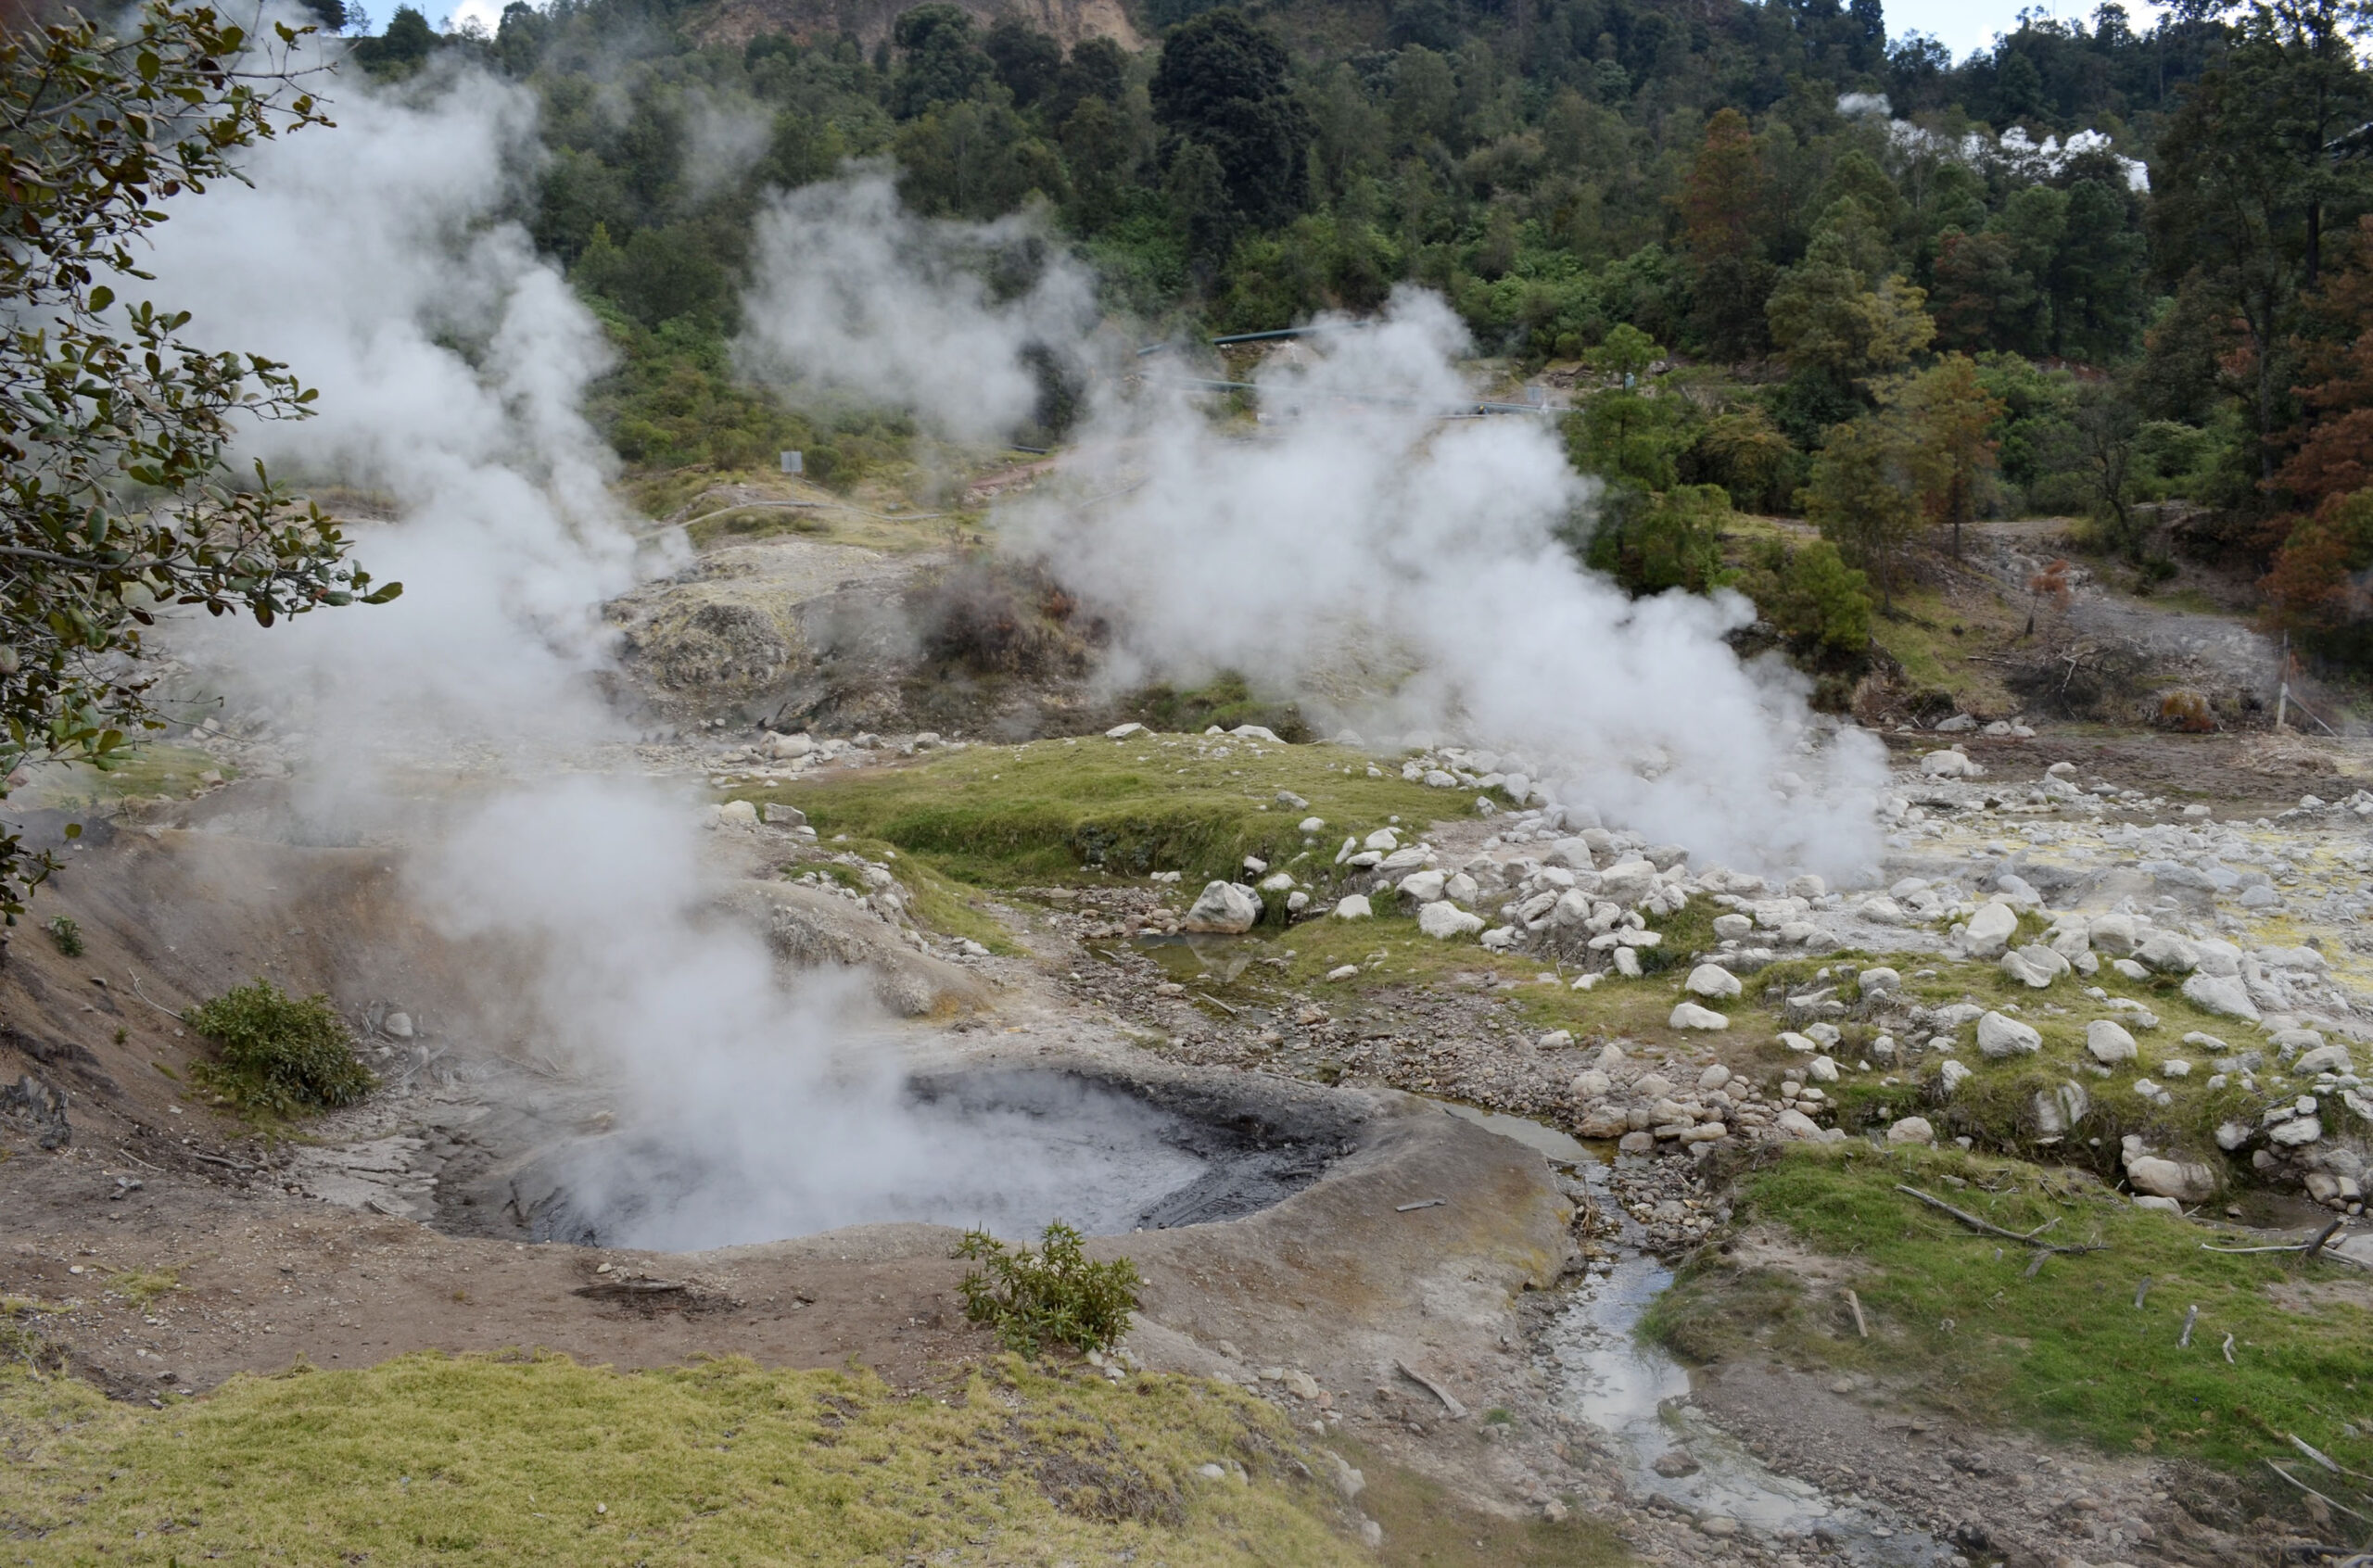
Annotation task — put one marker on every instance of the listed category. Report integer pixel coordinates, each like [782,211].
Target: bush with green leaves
[66,934]
[1811,596]
[1669,539]
[278,1053]
[1054,1293]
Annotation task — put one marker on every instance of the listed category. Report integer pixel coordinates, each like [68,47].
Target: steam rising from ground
[452,363]
[1361,552]
[855,294]
[749,1116]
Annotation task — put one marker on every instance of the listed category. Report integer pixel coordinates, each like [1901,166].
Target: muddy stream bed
[1602,1373]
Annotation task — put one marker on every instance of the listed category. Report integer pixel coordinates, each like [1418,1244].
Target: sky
[1965,25]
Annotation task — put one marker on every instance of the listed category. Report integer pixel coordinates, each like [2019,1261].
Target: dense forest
[1795,266]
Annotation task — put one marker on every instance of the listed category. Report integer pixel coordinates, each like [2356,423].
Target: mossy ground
[1064,810]
[1997,1103]
[155,769]
[1947,641]
[1425,1524]
[1956,1320]
[535,1458]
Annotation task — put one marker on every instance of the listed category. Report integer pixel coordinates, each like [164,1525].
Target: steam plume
[1403,572]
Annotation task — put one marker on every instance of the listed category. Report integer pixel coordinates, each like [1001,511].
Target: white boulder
[2298,1130]
[2168,954]
[1628,881]
[1998,1036]
[1712,980]
[1990,929]
[2324,1058]
[1688,1015]
[1423,886]
[2222,994]
[2184,1180]
[1354,907]
[1443,920]
[2108,1043]
[1223,908]
[2035,966]
[1913,1129]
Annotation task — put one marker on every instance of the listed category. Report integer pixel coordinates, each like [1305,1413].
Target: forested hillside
[1812,268]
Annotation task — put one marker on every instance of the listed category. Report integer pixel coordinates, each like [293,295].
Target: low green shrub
[1052,1293]
[278,1053]
[66,934]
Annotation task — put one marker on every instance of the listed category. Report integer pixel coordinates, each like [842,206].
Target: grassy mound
[1002,816]
[535,1458]
[1957,1317]
[279,1053]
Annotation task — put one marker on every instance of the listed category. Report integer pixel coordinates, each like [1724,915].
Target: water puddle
[1194,955]
[1638,1397]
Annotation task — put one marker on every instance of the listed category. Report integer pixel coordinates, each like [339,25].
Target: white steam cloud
[856,295]
[751,1116]
[452,363]
[1398,568]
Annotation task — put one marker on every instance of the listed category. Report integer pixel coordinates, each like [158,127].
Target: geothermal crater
[1103,1153]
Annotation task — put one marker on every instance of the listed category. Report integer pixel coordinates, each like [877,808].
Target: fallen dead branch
[2312,1247]
[2319,1497]
[1457,1410]
[1989,1228]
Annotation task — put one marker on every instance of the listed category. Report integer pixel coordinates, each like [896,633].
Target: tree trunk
[2264,339]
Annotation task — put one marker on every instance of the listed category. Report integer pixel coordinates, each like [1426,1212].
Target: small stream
[1638,1397]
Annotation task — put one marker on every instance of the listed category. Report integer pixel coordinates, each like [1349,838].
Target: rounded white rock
[1713,981]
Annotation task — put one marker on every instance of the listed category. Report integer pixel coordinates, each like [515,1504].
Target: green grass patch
[155,769]
[535,1458]
[1226,700]
[1956,1317]
[143,1288]
[1944,645]
[744,523]
[277,1053]
[1392,952]
[1007,816]
[935,899]
[1997,1104]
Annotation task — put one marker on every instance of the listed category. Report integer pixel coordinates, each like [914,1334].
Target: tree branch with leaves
[118,497]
